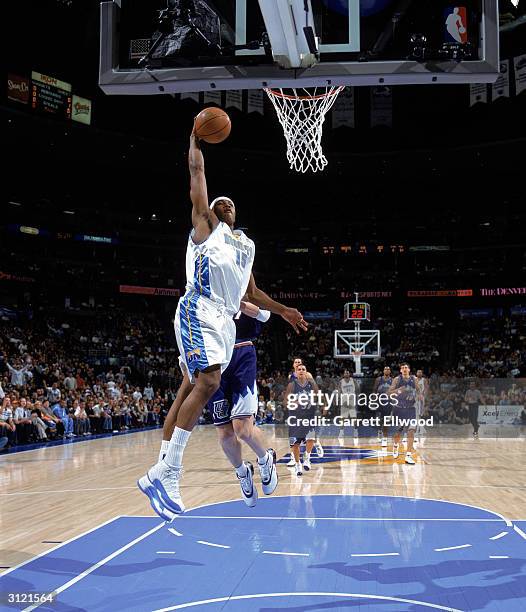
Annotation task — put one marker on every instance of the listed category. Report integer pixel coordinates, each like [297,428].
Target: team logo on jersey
[220,408]
[456,24]
[193,355]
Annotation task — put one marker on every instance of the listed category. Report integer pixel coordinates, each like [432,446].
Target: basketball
[212,125]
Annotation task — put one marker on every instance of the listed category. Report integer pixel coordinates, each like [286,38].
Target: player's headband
[214,202]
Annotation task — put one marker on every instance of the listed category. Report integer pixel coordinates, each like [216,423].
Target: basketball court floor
[360,531]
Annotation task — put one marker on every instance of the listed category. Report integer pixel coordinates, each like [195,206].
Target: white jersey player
[219,273]
[421,392]
[347,389]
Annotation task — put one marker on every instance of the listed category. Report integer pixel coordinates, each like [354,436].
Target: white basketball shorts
[205,334]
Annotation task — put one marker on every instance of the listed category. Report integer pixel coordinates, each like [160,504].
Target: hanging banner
[501,87]
[234,99]
[519,63]
[17,89]
[190,95]
[81,110]
[212,97]
[381,106]
[500,415]
[343,109]
[478,92]
[255,101]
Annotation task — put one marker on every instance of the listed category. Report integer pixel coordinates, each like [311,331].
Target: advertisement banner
[17,89]
[81,110]
[499,415]
[158,291]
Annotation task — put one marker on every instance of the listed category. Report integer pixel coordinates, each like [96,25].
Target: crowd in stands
[71,375]
[68,380]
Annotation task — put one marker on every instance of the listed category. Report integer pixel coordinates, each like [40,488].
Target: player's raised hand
[295,318]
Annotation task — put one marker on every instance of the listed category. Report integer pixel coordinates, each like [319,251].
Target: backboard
[367,42]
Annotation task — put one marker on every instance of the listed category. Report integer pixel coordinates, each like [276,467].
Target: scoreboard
[50,95]
[357,311]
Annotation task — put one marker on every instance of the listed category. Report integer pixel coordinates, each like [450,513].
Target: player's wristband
[263,315]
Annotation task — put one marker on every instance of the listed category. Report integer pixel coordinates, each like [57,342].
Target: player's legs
[246,431]
[309,445]
[171,417]
[244,469]
[161,483]
[295,448]
[244,409]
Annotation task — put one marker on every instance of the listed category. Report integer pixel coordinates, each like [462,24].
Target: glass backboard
[200,45]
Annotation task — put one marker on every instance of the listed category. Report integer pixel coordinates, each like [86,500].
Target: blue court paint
[320,533]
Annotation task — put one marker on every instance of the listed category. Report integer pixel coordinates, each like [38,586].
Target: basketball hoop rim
[334,90]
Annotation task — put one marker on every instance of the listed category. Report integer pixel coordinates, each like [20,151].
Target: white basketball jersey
[347,389]
[219,268]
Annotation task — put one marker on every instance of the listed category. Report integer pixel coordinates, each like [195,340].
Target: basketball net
[302,114]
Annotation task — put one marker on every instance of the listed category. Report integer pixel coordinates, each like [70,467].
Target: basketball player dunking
[404,386]
[219,272]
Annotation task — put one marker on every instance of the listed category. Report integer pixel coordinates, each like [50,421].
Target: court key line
[453,547]
[519,531]
[212,544]
[392,554]
[500,535]
[203,602]
[332,518]
[290,554]
[95,566]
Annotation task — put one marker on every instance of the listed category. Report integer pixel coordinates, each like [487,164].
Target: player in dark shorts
[473,398]
[382,385]
[297,361]
[301,385]
[404,387]
[234,405]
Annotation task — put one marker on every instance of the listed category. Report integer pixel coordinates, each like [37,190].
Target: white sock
[242,470]
[307,456]
[174,453]
[263,460]
[164,447]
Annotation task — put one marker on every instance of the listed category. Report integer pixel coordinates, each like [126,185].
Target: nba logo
[456,24]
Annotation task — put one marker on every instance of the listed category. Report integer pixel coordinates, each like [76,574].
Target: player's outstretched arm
[253,311]
[203,219]
[261,299]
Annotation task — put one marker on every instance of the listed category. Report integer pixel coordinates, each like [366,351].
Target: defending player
[301,386]
[219,272]
[296,362]
[347,389]
[382,385]
[404,387]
